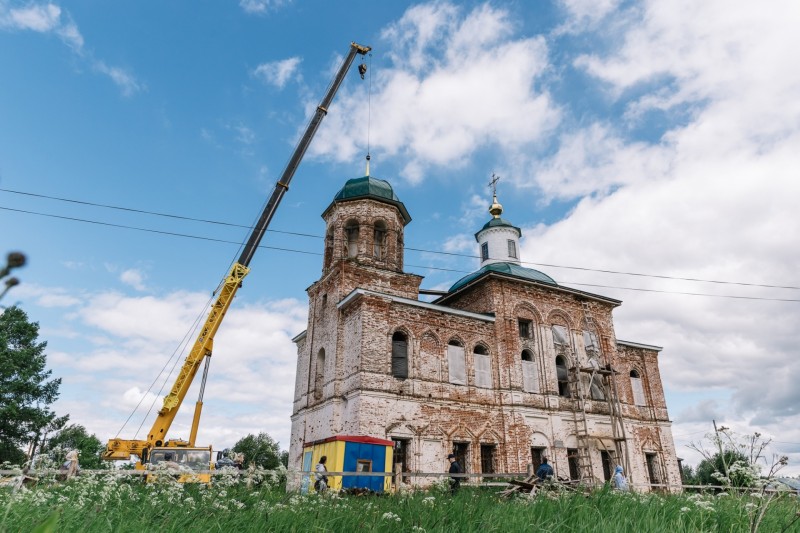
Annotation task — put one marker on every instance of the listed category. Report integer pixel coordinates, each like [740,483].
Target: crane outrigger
[156,448]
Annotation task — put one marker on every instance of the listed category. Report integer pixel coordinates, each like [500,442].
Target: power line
[426,267]
[421,250]
[455,254]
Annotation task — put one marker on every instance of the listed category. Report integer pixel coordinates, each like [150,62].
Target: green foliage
[111,502]
[75,437]
[261,450]
[709,470]
[689,475]
[25,390]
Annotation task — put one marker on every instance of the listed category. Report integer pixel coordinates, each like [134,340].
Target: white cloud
[251,381]
[261,7]
[126,81]
[277,73]
[133,277]
[50,18]
[715,198]
[458,81]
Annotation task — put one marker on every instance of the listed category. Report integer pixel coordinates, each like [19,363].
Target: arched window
[379,240]
[319,374]
[483,367]
[351,234]
[399,355]
[530,373]
[456,363]
[637,388]
[562,374]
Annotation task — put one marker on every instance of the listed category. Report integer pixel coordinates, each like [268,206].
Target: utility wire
[197,237]
[421,250]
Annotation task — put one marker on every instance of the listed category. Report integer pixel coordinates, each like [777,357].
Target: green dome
[499,223]
[369,187]
[510,269]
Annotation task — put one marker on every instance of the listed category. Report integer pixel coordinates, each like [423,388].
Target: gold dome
[495,209]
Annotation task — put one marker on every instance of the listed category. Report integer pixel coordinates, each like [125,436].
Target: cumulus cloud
[458,80]
[252,370]
[134,278]
[277,73]
[714,197]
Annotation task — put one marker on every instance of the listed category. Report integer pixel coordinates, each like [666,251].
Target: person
[455,468]
[618,481]
[238,461]
[171,462]
[321,484]
[545,471]
[70,467]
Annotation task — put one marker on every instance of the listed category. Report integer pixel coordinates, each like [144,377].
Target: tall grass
[107,503]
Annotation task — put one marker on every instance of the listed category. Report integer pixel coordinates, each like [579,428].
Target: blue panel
[378,465]
[351,456]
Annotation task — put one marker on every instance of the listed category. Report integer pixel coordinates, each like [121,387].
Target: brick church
[503,369]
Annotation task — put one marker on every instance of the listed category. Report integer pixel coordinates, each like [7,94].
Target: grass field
[108,503]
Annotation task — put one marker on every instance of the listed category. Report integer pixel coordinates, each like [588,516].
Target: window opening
[351,233]
[461,451]
[399,355]
[605,458]
[525,328]
[379,241]
[572,461]
[530,372]
[483,367]
[537,454]
[562,374]
[488,458]
[484,251]
[456,364]
[400,455]
[652,469]
[637,388]
[512,249]
[560,337]
[319,377]
[363,465]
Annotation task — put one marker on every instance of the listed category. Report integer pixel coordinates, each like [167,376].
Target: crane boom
[123,449]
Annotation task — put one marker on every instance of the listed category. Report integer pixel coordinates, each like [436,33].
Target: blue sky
[658,138]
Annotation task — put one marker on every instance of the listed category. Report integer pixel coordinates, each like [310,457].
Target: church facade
[503,369]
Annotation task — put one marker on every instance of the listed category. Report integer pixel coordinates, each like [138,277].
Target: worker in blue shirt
[545,471]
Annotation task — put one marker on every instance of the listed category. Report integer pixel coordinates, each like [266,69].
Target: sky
[648,150]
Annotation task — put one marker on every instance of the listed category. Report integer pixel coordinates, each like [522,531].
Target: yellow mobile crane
[156,448]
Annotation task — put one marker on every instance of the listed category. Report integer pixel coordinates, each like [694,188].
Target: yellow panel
[389,467]
[334,450]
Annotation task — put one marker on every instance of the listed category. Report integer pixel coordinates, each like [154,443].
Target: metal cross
[493,183]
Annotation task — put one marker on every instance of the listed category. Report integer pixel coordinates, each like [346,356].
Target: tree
[25,390]
[75,437]
[261,450]
[709,470]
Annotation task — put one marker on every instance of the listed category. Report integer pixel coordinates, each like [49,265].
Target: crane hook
[362,69]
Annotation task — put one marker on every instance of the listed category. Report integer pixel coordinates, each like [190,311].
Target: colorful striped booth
[350,453]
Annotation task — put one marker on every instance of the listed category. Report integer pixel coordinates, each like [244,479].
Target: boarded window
[456,364]
[560,336]
[596,387]
[562,374]
[483,368]
[530,372]
[637,388]
[590,342]
[484,251]
[399,355]
[512,249]
[525,328]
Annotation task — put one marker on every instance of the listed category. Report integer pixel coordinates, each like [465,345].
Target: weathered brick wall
[362,397]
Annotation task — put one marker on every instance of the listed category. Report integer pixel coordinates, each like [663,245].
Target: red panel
[351,438]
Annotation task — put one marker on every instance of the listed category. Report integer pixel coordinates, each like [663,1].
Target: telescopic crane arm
[122,449]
